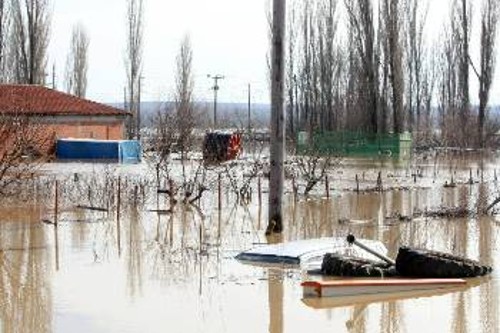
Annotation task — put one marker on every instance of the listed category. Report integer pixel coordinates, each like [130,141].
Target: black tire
[434,264]
[338,265]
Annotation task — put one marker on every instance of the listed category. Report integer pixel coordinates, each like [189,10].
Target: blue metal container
[123,151]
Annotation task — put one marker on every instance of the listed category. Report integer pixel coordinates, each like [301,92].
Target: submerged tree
[77,62]
[29,40]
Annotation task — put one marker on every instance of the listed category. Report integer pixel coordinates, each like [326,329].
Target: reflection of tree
[391,317]
[357,322]
[134,255]
[24,280]
[488,292]
[460,313]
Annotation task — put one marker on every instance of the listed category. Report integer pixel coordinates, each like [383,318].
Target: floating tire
[433,264]
[339,265]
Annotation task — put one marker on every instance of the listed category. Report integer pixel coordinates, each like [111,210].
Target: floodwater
[140,271]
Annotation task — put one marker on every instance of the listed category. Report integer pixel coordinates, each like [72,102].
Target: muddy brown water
[177,272]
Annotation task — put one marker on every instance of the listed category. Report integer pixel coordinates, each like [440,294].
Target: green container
[352,144]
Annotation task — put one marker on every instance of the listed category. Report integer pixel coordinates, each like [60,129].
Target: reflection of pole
[56,224]
[275,301]
[275,294]
[215,88]
[118,208]
[277,156]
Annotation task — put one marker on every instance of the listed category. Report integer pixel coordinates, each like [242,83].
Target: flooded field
[119,257]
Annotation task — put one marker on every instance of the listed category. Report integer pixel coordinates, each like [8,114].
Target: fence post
[327,187]
[118,208]
[56,224]
[219,196]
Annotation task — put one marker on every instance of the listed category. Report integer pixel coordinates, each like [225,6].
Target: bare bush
[313,168]
[22,151]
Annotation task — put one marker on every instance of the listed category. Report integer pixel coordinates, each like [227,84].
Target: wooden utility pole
[276,178]
[215,88]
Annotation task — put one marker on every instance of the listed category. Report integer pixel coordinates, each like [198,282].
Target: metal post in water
[56,203]
[357,184]
[327,187]
[259,185]
[352,240]
[219,187]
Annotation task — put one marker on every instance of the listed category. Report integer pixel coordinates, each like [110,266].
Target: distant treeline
[376,66]
[231,115]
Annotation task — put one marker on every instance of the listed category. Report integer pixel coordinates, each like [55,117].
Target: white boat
[353,287]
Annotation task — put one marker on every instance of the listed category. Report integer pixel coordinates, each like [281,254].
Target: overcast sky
[229,37]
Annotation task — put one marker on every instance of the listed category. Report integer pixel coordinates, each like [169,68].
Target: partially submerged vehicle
[308,253]
[412,271]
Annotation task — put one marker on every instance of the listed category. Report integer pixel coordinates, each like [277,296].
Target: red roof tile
[38,100]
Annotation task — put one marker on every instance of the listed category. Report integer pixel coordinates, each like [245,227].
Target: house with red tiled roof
[61,115]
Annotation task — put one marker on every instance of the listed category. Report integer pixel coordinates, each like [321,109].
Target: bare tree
[361,25]
[77,62]
[415,21]
[489,26]
[448,87]
[428,89]
[184,96]
[454,104]
[134,63]
[4,32]
[291,78]
[175,123]
[462,14]
[327,32]
[29,40]
[391,15]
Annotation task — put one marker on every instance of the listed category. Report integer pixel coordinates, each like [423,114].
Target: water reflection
[275,292]
[25,274]
[145,271]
